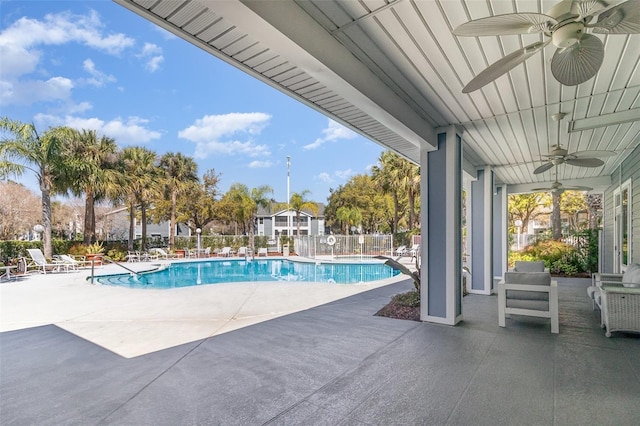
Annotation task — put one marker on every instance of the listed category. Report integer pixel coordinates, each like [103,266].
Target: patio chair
[71,262]
[529,266]
[415,250]
[243,251]
[530,294]
[39,262]
[225,252]
[262,251]
[133,256]
[207,252]
[401,251]
[162,253]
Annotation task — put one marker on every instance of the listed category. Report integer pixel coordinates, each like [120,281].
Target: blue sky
[95,65]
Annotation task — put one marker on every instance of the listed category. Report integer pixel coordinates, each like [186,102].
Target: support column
[441,202]
[482,229]
[500,233]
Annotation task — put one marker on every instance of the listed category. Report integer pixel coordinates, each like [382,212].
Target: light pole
[518,224]
[198,232]
[288,199]
[38,229]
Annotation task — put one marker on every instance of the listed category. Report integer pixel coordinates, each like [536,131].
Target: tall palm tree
[299,203]
[90,171]
[349,216]
[26,149]
[140,183]
[410,177]
[387,176]
[247,204]
[179,171]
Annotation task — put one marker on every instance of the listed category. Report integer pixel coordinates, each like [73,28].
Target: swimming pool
[186,274]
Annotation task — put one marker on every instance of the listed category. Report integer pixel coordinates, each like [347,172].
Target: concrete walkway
[334,364]
[134,322]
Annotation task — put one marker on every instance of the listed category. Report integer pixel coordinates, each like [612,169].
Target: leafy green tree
[139,183]
[349,216]
[26,149]
[594,207]
[200,199]
[386,175]
[245,203]
[89,171]
[179,172]
[299,203]
[526,207]
[556,223]
[572,204]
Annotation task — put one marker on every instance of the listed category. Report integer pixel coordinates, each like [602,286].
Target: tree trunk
[396,208]
[298,222]
[412,209]
[172,231]
[89,218]
[143,207]
[132,225]
[556,224]
[46,220]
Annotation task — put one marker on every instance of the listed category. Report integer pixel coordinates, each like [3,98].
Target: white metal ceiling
[394,72]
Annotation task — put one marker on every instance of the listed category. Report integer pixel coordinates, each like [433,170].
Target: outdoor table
[7,272]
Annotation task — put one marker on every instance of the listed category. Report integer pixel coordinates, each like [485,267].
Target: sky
[96,65]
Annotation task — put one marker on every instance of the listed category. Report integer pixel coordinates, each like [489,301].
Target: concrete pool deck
[134,322]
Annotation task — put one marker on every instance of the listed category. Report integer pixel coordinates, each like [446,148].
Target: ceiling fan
[559,155]
[558,188]
[578,56]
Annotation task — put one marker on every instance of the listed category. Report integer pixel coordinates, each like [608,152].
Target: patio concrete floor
[337,363]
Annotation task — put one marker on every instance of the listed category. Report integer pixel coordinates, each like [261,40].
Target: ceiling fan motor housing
[567,35]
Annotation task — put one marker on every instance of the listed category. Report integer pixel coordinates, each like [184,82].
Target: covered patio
[337,363]
[395,72]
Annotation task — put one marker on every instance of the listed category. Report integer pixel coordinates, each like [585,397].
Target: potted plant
[95,252]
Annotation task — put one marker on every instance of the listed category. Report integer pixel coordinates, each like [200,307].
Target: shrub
[410,299]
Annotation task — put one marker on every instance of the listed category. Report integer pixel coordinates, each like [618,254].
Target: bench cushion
[529,278]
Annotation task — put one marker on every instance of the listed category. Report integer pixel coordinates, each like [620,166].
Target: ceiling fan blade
[623,18]
[542,189]
[543,168]
[593,154]
[579,62]
[503,66]
[589,8]
[585,162]
[577,188]
[507,24]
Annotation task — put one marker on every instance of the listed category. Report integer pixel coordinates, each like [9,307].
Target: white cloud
[30,91]
[260,164]
[332,133]
[219,134]
[152,55]
[324,177]
[344,174]
[98,78]
[24,43]
[133,130]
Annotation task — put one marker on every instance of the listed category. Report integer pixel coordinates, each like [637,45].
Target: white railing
[343,247]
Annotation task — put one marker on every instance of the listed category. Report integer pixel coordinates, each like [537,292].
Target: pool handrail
[103,257]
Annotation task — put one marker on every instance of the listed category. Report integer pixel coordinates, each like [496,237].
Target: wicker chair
[620,308]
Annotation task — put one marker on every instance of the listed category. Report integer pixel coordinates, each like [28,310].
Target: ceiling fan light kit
[578,55]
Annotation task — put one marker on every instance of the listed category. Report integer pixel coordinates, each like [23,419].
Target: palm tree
[26,149]
[386,175]
[90,171]
[179,171]
[349,216]
[299,203]
[247,203]
[139,179]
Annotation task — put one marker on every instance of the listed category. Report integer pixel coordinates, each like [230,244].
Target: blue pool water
[185,274]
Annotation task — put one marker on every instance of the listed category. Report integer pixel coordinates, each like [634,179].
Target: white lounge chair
[162,253]
[71,262]
[401,251]
[39,262]
[415,250]
[225,252]
[244,251]
[262,251]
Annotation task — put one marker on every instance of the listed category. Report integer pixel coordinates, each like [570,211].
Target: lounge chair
[225,252]
[244,251]
[415,250]
[262,251]
[39,262]
[71,262]
[401,251]
[162,254]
